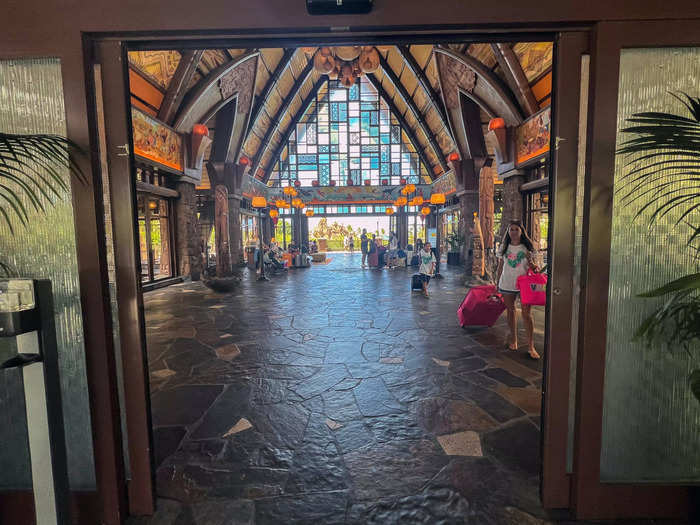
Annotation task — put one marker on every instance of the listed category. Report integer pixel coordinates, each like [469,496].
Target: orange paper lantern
[497,123]
[309,213]
[259,202]
[453,156]
[280,203]
[425,210]
[390,211]
[200,129]
[401,201]
[437,198]
[417,200]
[274,214]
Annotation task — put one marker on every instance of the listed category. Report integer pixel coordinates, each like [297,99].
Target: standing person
[516,256]
[393,248]
[427,266]
[364,247]
[351,244]
[373,259]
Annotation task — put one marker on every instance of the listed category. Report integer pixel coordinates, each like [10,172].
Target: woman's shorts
[509,292]
[425,278]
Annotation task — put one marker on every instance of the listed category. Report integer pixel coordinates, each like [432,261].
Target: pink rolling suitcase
[482,306]
[533,288]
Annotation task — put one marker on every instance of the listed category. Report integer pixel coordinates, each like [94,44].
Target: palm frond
[663,165]
[31,170]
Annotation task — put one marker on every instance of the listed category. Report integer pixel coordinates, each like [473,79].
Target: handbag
[533,288]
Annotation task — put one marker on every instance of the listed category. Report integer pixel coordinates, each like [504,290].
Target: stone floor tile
[465,443]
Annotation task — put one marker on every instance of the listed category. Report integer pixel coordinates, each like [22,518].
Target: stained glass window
[348,134]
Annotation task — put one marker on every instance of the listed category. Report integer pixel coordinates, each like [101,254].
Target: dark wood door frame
[593,499]
[568,50]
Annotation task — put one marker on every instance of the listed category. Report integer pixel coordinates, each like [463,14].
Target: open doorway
[331,392]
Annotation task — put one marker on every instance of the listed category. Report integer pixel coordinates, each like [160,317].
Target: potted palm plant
[455,240]
[663,173]
[32,177]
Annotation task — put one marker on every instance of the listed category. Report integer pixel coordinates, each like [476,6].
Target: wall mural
[252,187]
[155,141]
[532,137]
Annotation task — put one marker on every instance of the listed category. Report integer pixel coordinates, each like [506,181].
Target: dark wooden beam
[476,144]
[223,133]
[489,78]
[305,74]
[178,85]
[269,86]
[419,73]
[408,100]
[402,122]
[300,113]
[515,76]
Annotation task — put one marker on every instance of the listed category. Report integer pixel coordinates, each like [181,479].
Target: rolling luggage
[533,288]
[416,283]
[415,260]
[482,306]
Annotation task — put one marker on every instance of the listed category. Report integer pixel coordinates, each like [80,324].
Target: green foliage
[30,171]
[455,241]
[663,166]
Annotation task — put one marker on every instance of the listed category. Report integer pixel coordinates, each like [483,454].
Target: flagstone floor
[335,395]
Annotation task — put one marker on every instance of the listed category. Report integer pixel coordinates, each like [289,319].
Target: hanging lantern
[385,182]
[347,53]
[309,212]
[368,182]
[274,214]
[324,62]
[404,191]
[297,203]
[259,202]
[390,211]
[200,129]
[401,201]
[425,211]
[410,188]
[244,161]
[497,123]
[403,182]
[437,198]
[369,59]
[417,200]
[297,183]
[452,157]
[280,203]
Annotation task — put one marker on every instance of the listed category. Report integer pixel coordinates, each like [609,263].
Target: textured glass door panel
[31,101]
[651,422]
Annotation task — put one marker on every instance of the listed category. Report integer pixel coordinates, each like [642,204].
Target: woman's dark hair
[524,239]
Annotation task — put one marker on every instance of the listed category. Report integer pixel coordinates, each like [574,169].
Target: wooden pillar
[512,200]
[221,224]
[234,228]
[486,205]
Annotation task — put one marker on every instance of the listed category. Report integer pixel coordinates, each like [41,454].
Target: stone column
[187,235]
[486,205]
[512,200]
[221,212]
[468,204]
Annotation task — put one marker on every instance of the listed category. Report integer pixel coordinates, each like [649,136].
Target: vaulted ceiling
[416,81]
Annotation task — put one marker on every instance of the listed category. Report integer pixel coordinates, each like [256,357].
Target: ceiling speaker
[338,7]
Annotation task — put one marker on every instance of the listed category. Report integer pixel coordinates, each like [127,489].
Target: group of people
[376,255]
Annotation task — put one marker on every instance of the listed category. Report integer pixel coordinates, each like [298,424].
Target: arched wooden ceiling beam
[489,77]
[285,138]
[515,76]
[269,86]
[179,84]
[205,84]
[480,102]
[402,122]
[275,120]
[411,104]
[418,72]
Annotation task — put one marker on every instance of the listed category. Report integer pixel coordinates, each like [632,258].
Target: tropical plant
[31,174]
[663,169]
[455,241]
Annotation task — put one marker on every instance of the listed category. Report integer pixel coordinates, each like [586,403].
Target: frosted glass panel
[31,101]
[651,422]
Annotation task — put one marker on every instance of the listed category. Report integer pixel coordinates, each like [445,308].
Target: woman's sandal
[535,356]
[512,348]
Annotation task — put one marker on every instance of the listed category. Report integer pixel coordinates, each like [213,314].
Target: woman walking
[427,266]
[516,255]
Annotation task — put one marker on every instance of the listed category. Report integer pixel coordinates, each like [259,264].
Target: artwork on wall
[155,141]
[532,137]
[446,184]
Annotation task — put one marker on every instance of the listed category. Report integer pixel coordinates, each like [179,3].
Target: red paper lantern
[497,123]
[385,182]
[332,183]
[200,129]
[297,183]
[453,156]
[244,161]
[403,182]
[368,182]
